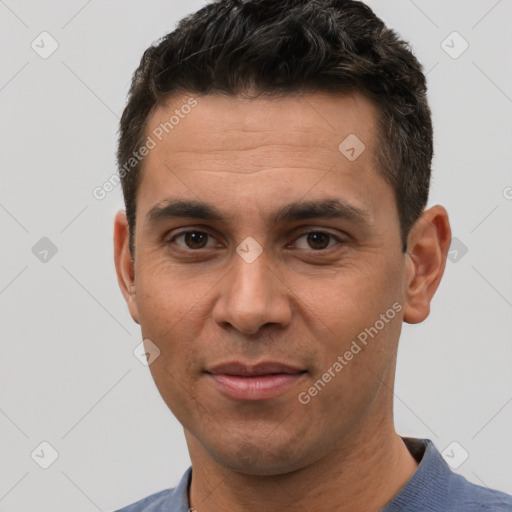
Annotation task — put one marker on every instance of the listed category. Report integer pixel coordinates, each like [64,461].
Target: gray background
[67,369]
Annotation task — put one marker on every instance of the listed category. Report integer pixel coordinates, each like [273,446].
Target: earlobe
[428,244]
[125,266]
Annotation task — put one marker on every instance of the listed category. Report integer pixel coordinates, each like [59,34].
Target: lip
[249,370]
[262,381]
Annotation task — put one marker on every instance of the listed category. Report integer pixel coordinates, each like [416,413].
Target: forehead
[207,146]
[305,125]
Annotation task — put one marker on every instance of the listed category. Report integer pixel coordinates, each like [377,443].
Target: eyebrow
[301,210]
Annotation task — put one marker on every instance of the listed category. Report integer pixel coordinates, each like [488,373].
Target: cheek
[171,313]
[170,316]
[166,299]
[176,387]
[350,298]
[354,314]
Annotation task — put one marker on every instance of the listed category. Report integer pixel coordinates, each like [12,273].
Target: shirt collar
[427,483]
[179,496]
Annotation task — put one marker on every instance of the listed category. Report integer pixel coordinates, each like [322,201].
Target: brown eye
[195,239]
[192,239]
[318,240]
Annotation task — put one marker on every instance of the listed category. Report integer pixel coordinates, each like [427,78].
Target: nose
[251,296]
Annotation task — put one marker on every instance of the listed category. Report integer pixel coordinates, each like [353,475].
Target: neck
[363,474]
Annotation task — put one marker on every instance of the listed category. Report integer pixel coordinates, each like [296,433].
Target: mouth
[254,382]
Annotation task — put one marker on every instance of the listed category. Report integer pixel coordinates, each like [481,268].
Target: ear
[125,266]
[427,249]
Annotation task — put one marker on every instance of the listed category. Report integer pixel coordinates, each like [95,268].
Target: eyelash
[315,251]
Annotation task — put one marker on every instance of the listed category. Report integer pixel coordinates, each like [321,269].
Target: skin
[202,304]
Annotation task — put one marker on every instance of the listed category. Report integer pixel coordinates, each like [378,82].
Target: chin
[262,459]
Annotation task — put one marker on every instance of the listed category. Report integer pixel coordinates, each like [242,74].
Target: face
[264,272]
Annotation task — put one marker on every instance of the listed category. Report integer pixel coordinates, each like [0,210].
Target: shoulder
[154,503]
[477,498]
[175,499]
[435,487]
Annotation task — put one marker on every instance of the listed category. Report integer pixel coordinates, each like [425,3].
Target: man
[275,162]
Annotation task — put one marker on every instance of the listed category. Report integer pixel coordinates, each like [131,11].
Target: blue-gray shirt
[433,487]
